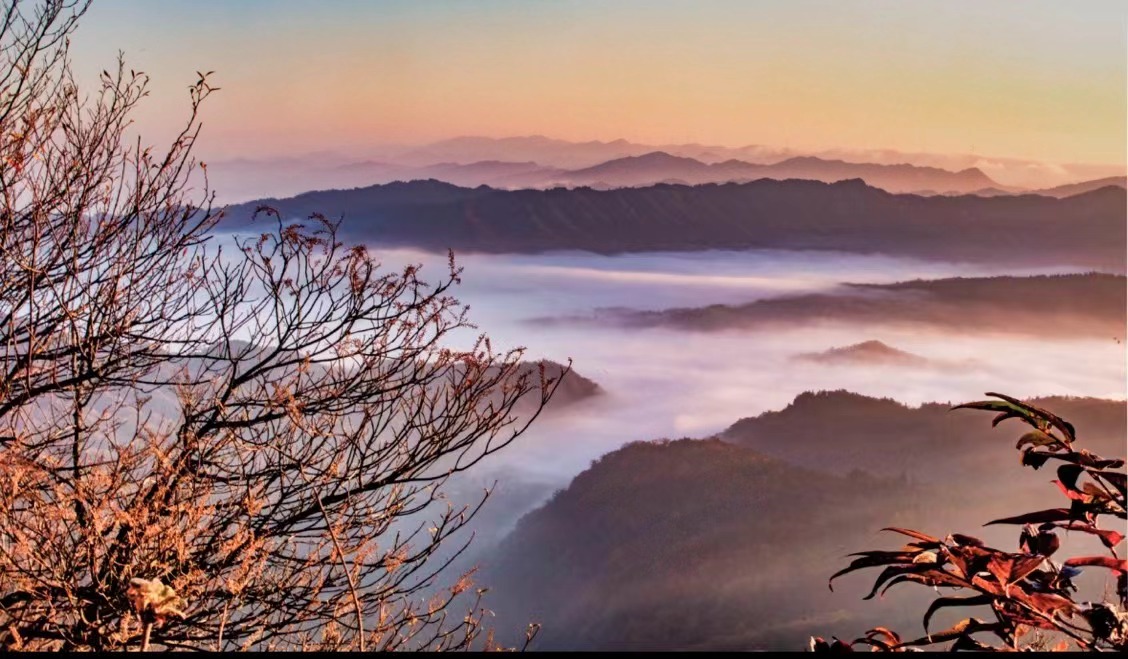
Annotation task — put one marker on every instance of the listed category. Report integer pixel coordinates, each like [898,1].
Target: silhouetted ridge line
[1084,230]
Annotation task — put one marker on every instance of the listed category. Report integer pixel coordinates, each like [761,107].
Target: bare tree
[205,445]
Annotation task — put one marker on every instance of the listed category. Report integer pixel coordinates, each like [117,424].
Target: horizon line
[343,150]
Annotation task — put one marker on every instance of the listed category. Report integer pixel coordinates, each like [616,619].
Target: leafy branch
[1027,590]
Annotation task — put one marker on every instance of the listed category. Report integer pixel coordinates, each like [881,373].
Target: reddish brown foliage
[209,449]
[1026,590]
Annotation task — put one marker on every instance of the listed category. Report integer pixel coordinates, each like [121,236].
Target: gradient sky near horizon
[1044,80]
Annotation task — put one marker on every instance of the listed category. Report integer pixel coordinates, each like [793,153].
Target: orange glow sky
[1037,80]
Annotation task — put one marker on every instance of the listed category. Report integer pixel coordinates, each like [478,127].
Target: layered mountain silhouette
[659,166]
[629,171]
[541,162]
[1090,305]
[564,154]
[1083,187]
[690,545]
[571,155]
[727,545]
[1084,230]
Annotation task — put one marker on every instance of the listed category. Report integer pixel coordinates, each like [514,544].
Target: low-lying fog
[668,383]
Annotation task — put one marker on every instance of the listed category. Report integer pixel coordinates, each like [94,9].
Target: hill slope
[570,387]
[1085,186]
[688,544]
[727,545]
[839,430]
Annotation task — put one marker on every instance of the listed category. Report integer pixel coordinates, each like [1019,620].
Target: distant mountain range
[540,162]
[629,171]
[1077,305]
[1083,187]
[568,155]
[1084,230]
[645,170]
[659,167]
[564,154]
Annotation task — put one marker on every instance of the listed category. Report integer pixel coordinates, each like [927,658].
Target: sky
[1041,80]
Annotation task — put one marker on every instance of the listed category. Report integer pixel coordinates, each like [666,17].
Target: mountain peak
[640,169]
[660,157]
[805,160]
[870,352]
[976,174]
[833,397]
[859,183]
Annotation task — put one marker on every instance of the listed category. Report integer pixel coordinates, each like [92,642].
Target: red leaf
[966,540]
[1061,424]
[973,600]
[1075,495]
[912,534]
[1009,568]
[893,636]
[1068,474]
[970,560]
[962,628]
[1116,564]
[875,559]
[1109,537]
[1040,517]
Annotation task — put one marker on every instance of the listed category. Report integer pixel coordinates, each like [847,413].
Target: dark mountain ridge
[680,545]
[840,430]
[649,168]
[1082,187]
[727,545]
[1084,230]
[1089,304]
[568,386]
[568,155]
